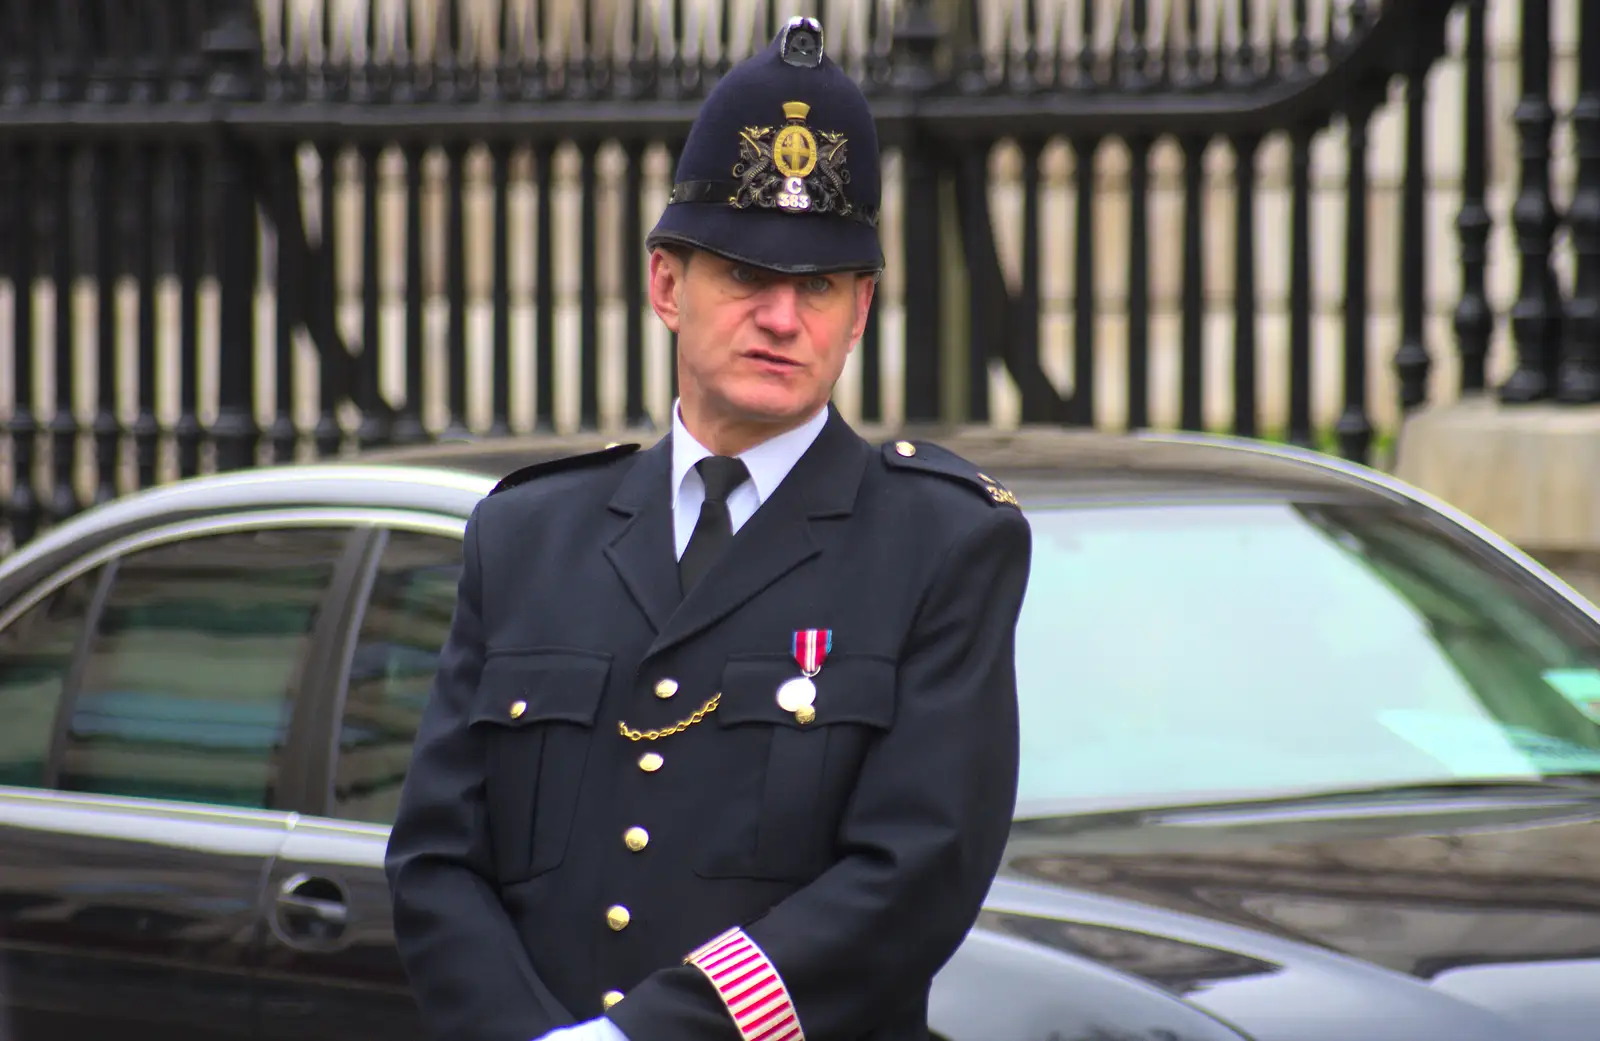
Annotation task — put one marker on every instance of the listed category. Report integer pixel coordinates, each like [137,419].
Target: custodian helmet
[780,168]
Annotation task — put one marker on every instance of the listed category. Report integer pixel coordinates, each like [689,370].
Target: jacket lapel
[777,539]
[642,552]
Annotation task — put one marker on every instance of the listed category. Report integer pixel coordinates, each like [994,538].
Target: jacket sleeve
[921,838]
[469,974]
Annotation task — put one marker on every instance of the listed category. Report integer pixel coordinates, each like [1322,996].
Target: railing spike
[1170,74]
[1274,68]
[1244,63]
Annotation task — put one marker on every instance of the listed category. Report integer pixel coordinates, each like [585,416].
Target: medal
[811,647]
[796,693]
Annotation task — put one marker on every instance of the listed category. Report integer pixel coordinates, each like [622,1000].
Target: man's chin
[773,409]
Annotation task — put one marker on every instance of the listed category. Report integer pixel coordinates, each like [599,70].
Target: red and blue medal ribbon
[811,647]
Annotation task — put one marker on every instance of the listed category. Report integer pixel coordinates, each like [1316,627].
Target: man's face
[756,348]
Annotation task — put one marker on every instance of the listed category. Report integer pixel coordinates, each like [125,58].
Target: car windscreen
[1173,653]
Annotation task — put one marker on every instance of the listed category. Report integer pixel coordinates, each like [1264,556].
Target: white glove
[601,1029]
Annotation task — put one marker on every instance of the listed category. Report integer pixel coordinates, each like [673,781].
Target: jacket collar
[823,483]
[768,462]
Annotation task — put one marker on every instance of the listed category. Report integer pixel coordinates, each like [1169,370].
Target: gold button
[636,838]
[905,448]
[666,688]
[650,762]
[610,997]
[618,918]
[518,708]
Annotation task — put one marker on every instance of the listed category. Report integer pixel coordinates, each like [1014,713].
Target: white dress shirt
[769,463]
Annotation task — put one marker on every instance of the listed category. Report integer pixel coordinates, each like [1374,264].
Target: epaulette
[568,462]
[926,457]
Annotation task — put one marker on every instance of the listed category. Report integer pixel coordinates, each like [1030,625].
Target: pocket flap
[850,689]
[528,687]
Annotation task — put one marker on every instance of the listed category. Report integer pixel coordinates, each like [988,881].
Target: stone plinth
[1530,472]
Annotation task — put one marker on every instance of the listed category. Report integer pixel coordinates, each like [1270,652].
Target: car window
[189,678]
[1186,652]
[406,622]
[36,653]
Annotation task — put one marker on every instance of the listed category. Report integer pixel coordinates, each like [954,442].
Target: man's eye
[821,285]
[744,273]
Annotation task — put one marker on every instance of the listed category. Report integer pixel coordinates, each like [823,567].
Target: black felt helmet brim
[788,243]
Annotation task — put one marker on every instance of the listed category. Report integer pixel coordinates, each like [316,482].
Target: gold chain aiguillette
[681,725]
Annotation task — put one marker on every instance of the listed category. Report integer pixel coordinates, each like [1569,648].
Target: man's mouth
[770,358]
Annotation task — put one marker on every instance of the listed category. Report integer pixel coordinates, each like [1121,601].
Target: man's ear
[666,285]
[866,287]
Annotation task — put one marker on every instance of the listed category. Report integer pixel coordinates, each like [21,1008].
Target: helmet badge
[792,168]
[794,150]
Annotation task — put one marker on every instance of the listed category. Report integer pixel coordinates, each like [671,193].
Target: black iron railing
[191,190]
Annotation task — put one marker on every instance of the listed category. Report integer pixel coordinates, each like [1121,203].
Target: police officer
[723,743]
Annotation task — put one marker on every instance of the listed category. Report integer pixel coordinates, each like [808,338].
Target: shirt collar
[768,462]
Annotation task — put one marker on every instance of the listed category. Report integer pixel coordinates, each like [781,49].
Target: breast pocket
[781,809]
[537,710]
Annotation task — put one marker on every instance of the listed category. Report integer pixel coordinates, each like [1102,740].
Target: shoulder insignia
[569,462]
[930,458]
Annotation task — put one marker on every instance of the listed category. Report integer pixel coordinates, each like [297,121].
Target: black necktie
[720,474]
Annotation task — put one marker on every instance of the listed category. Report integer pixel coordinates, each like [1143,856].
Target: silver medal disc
[796,694]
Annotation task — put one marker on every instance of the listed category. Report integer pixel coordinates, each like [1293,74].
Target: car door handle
[321,898]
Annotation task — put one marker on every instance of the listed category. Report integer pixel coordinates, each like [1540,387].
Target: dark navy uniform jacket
[541,860]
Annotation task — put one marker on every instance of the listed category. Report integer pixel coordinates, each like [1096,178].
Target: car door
[330,971]
[149,695]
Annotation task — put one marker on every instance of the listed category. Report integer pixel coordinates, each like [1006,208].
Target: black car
[1306,756]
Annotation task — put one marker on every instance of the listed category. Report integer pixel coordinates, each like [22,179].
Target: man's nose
[779,310]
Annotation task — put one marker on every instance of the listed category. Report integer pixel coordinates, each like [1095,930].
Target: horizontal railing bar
[1254,107]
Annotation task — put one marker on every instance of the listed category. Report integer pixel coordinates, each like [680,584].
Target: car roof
[1044,464]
